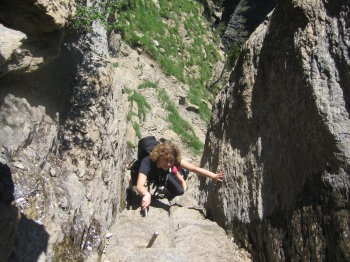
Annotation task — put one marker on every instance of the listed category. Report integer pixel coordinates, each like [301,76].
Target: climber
[163,157]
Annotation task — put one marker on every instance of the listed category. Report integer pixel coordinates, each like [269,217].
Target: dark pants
[174,187]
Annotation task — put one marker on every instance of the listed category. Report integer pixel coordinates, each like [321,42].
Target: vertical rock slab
[281,133]
[62,133]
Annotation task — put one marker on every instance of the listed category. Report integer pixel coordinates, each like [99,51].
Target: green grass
[147,84]
[233,55]
[137,129]
[142,105]
[177,123]
[196,96]
[142,23]
[130,144]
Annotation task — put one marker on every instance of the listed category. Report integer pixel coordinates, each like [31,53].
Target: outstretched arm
[201,171]
[141,189]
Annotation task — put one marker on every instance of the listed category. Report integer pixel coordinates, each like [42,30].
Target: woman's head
[166,155]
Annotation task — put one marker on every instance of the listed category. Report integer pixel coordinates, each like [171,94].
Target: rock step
[184,235]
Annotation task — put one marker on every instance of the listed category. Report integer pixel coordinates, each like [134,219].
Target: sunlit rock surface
[184,235]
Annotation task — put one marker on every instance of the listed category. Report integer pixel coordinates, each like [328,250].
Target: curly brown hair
[166,149]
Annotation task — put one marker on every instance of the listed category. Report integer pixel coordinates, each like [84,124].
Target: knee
[180,191]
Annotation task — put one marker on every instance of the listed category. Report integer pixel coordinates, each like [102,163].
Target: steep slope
[132,69]
[185,48]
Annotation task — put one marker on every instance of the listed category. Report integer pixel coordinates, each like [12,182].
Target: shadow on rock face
[21,239]
[49,87]
[6,185]
[30,241]
[9,215]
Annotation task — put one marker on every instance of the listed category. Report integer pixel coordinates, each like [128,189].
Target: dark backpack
[144,148]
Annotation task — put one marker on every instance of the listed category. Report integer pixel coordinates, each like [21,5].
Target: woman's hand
[184,185]
[220,176]
[146,200]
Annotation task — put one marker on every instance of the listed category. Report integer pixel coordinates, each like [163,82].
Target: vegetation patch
[233,55]
[85,15]
[174,33]
[177,123]
[137,129]
[143,107]
[130,144]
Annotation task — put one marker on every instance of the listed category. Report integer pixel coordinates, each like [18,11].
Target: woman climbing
[157,165]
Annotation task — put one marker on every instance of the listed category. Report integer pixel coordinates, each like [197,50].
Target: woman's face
[166,162]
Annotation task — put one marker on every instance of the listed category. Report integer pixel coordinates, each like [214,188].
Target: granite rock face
[281,133]
[62,134]
[242,18]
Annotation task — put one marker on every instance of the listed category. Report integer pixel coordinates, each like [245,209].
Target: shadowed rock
[281,133]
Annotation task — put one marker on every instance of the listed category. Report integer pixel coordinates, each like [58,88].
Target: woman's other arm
[201,171]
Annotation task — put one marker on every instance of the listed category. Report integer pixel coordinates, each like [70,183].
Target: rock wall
[281,133]
[62,133]
[242,18]
[31,33]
